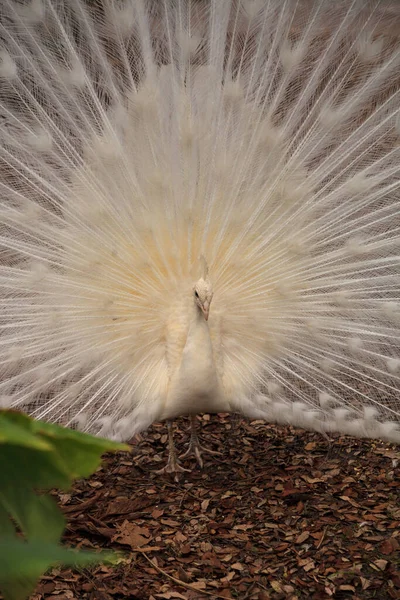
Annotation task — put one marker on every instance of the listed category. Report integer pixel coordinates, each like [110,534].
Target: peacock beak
[205,309]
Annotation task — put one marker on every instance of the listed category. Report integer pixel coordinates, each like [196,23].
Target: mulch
[282,514]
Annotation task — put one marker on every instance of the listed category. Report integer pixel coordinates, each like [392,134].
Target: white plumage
[200,212]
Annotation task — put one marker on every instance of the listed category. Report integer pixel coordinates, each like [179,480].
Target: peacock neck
[198,329]
[198,342]
[198,317]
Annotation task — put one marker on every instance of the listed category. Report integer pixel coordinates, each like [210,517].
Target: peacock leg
[172,465]
[195,448]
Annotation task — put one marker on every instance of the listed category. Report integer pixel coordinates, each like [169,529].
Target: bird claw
[196,449]
[172,466]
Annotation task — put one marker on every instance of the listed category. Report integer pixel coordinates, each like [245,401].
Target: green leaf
[22,563]
[6,526]
[46,455]
[40,469]
[37,516]
[81,453]
[15,429]
[39,456]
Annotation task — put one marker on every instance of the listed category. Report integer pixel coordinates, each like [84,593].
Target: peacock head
[203,294]
[202,290]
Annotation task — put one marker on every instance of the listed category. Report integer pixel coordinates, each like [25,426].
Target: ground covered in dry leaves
[281,514]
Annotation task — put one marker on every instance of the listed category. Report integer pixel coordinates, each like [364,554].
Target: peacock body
[200,212]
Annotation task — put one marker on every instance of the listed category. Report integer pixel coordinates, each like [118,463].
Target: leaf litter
[282,514]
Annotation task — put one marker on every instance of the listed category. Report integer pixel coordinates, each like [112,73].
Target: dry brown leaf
[381,564]
[199,585]
[276,586]
[169,595]
[303,537]
[388,546]
[132,535]
[310,446]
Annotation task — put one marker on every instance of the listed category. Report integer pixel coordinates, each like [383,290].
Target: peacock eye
[196,294]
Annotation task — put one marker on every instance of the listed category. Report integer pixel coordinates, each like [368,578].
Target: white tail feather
[136,137]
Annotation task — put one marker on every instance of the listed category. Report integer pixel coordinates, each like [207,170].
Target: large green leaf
[22,563]
[34,457]
[38,517]
[47,455]
[40,469]
[6,526]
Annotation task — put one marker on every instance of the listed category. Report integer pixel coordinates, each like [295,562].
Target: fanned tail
[136,136]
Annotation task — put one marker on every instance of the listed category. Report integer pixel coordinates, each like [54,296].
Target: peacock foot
[196,449]
[173,466]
